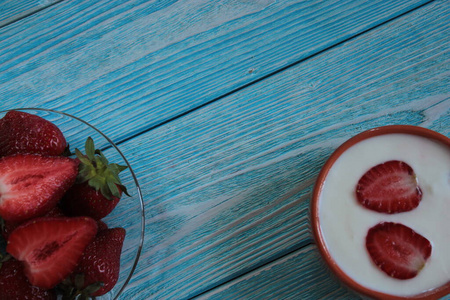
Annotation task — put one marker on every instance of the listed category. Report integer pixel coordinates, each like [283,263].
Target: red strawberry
[390,187]
[7,227]
[32,185]
[22,132]
[55,212]
[50,248]
[397,249]
[98,188]
[100,264]
[101,225]
[14,285]
[84,200]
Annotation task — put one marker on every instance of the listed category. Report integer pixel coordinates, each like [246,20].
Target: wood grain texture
[146,62]
[13,10]
[299,275]
[227,187]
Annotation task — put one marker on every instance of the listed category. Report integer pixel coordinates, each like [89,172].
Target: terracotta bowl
[316,225]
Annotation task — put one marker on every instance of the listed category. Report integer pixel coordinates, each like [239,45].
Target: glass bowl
[129,212]
[337,265]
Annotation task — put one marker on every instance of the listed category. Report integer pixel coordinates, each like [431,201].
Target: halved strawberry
[397,249]
[21,132]
[390,187]
[50,248]
[31,185]
[14,285]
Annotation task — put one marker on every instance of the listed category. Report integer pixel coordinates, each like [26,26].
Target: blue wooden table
[227,109]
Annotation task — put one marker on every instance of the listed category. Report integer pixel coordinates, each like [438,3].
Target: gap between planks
[244,86]
[294,248]
[28,14]
[162,123]
[280,255]
[307,242]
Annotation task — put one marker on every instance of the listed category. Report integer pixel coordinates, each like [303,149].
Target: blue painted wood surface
[230,184]
[13,10]
[154,60]
[227,110]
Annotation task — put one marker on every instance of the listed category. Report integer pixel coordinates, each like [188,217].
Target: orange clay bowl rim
[405,129]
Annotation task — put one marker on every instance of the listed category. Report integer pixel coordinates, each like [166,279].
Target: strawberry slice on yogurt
[397,250]
[390,187]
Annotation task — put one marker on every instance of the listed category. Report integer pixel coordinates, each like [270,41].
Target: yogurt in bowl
[341,223]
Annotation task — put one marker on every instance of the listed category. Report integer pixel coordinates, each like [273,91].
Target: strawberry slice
[22,132]
[397,250]
[50,248]
[31,185]
[390,187]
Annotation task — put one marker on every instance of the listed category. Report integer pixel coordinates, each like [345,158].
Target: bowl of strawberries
[71,210]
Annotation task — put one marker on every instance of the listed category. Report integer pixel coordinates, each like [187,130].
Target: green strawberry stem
[72,289]
[3,258]
[96,170]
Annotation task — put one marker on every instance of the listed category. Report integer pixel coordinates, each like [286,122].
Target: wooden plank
[227,187]
[299,275]
[146,62]
[13,10]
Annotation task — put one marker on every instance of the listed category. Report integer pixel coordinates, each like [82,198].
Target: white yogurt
[344,223]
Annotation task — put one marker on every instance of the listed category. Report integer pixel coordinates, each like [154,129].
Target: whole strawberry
[22,132]
[98,269]
[14,285]
[98,188]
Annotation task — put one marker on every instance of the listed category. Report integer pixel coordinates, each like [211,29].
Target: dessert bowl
[340,224]
[129,212]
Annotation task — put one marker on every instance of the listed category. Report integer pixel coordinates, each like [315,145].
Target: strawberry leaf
[79,280]
[96,182]
[124,190]
[92,288]
[82,158]
[98,172]
[117,168]
[113,189]
[4,258]
[89,148]
[67,152]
